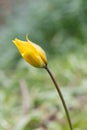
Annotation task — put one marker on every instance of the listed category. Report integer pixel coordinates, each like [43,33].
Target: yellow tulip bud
[31,52]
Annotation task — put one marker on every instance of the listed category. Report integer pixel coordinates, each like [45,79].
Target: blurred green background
[28,99]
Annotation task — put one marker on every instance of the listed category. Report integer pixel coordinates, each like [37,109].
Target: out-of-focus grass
[45,106]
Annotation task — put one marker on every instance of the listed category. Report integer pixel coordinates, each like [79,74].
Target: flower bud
[31,52]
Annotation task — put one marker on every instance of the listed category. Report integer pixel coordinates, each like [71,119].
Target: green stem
[61,97]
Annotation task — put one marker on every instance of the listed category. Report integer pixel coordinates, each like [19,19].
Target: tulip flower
[31,52]
[35,55]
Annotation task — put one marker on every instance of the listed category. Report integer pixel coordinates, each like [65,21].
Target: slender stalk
[61,97]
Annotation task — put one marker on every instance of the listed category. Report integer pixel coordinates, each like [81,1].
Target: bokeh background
[28,99]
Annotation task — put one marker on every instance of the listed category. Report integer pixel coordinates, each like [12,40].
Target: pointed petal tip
[27,38]
[15,40]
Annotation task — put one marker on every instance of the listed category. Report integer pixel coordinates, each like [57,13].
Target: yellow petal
[31,52]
